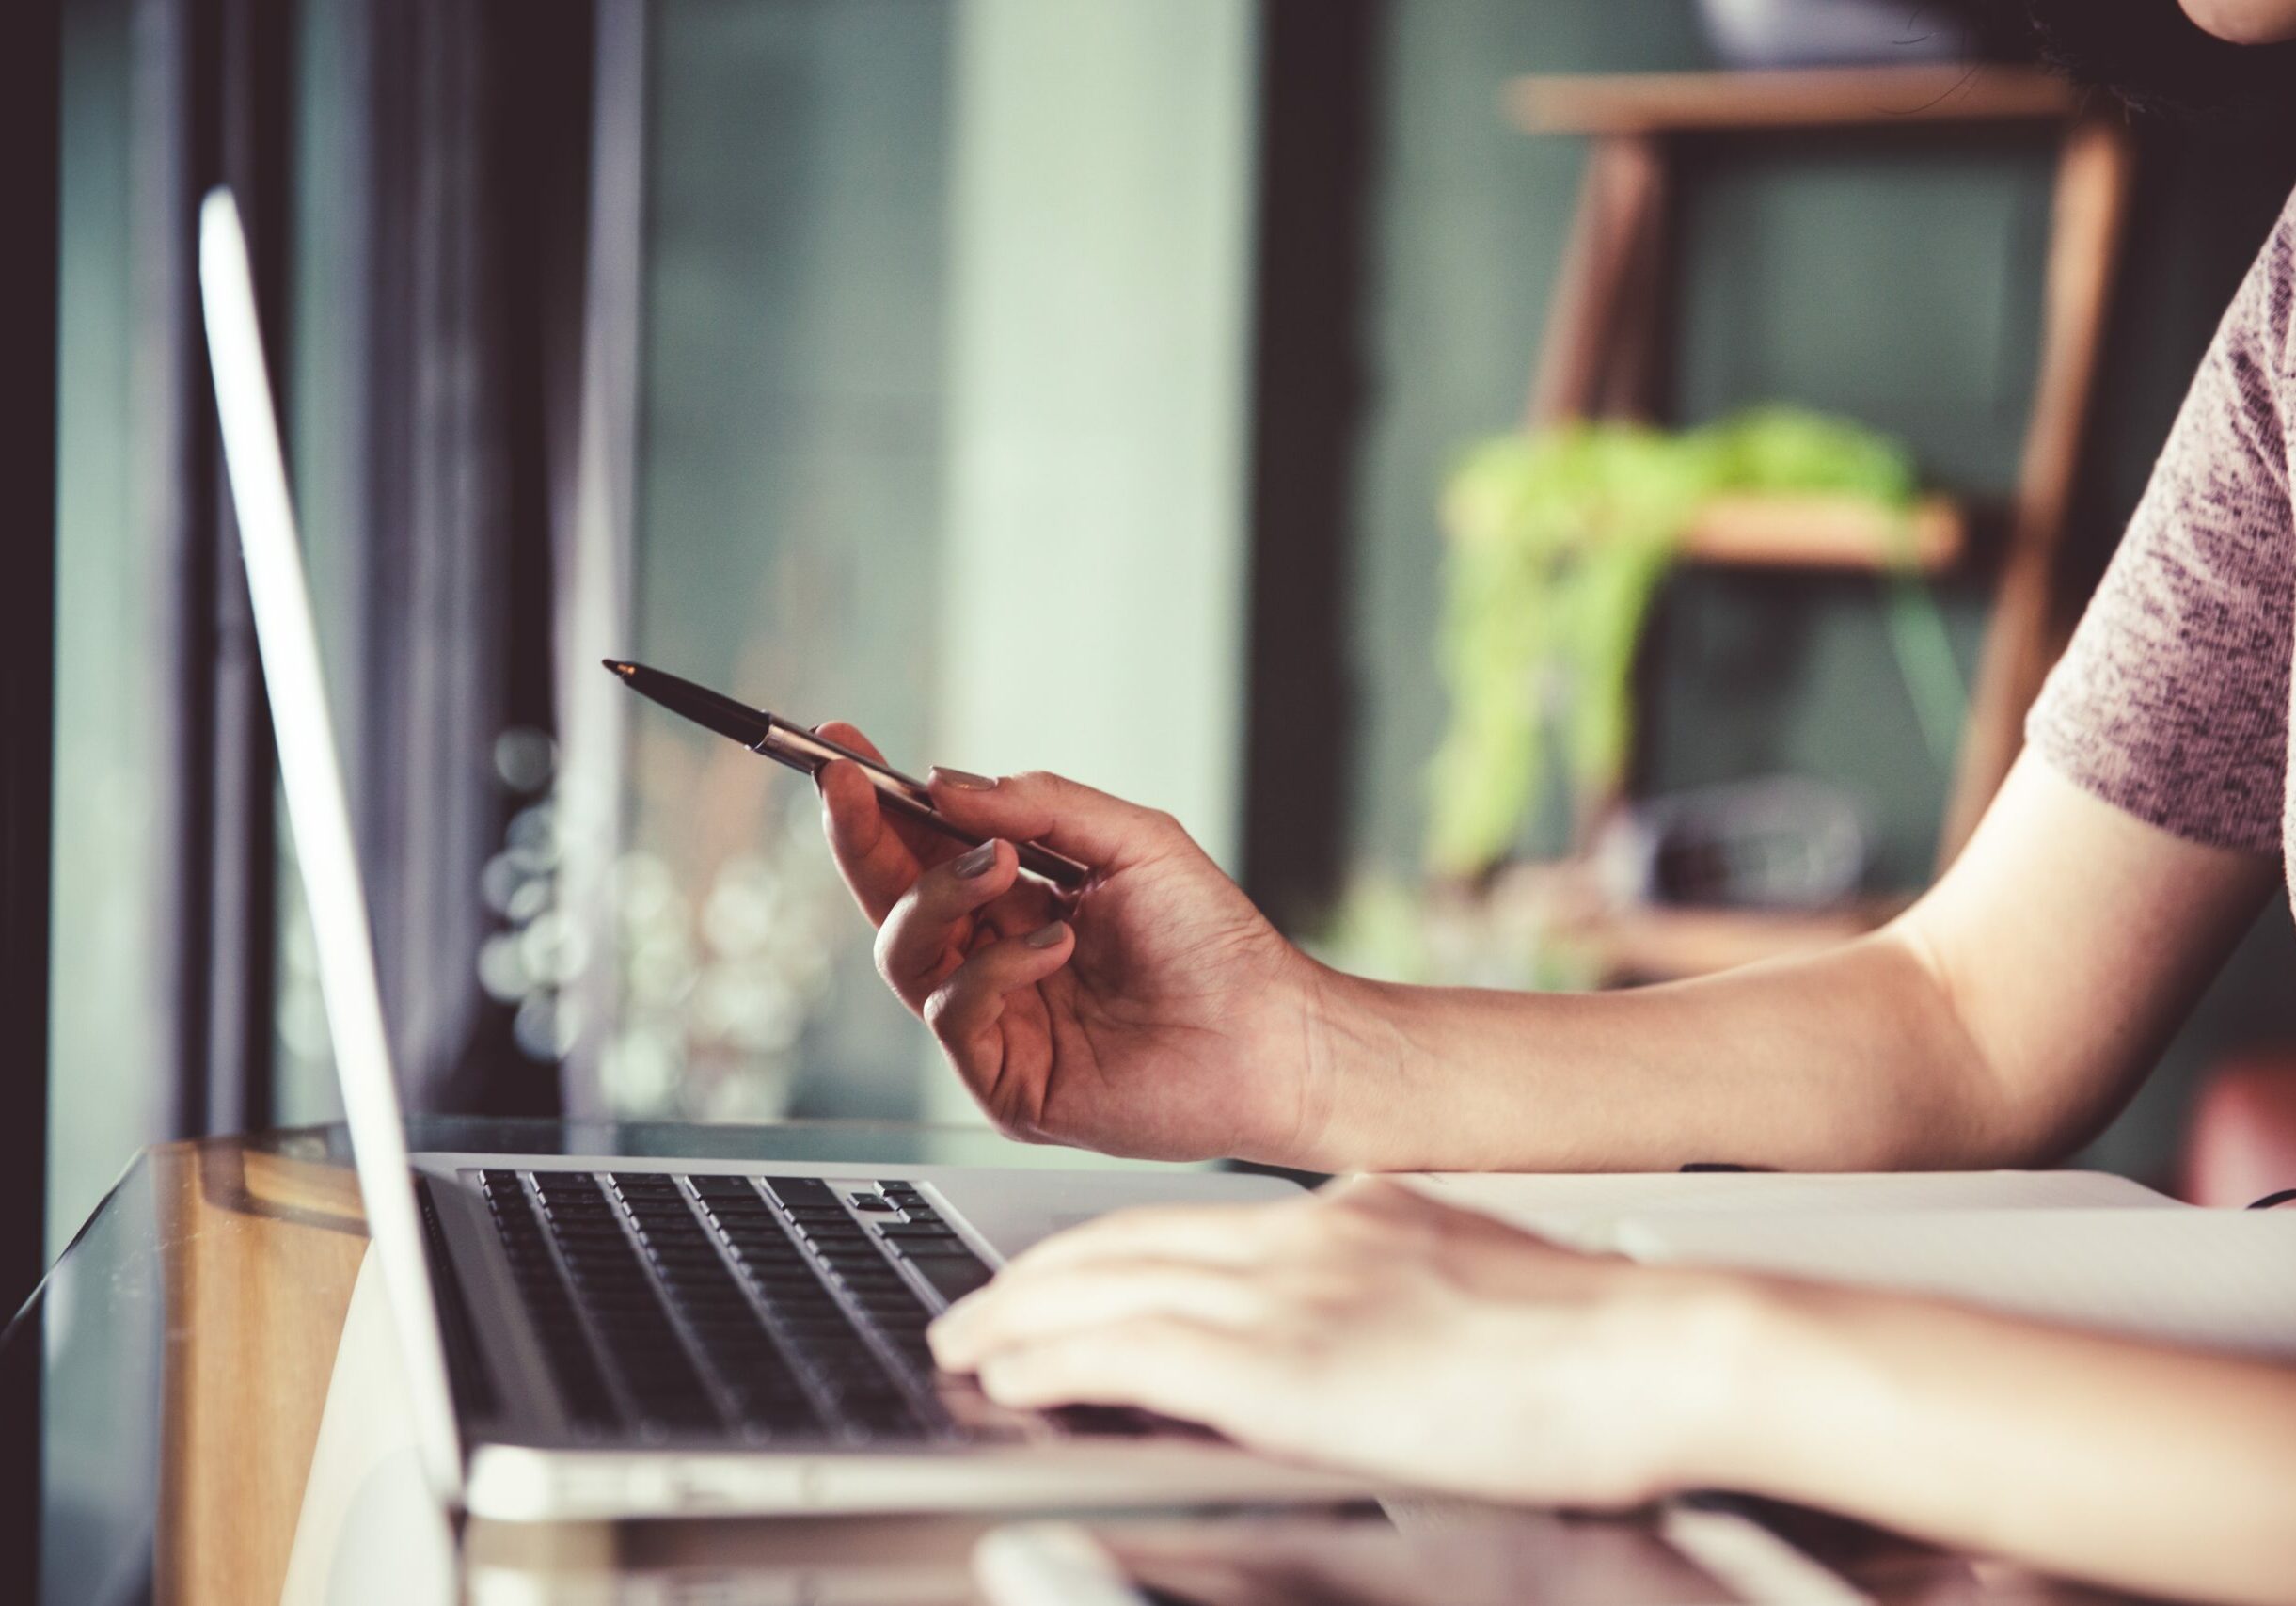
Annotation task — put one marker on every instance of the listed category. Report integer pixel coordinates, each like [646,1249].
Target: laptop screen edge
[319,813]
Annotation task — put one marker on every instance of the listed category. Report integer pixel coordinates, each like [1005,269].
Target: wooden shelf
[1665,945]
[1662,943]
[1825,533]
[1848,97]
[1604,356]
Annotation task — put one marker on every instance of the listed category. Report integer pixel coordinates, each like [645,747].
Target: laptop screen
[310,772]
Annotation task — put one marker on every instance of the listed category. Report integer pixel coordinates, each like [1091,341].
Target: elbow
[1986,1106]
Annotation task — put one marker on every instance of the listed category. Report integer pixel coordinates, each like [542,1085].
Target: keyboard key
[918,1232]
[763,1228]
[647,1189]
[783,1283]
[712,1185]
[745,1201]
[880,1419]
[845,1232]
[775,1354]
[628,1310]
[952,1277]
[581,1387]
[864,1289]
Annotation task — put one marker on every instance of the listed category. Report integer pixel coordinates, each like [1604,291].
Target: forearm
[2147,1469]
[1853,1059]
[1999,1022]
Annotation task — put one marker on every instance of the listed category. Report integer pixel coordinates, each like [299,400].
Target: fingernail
[974,862]
[1046,936]
[963,780]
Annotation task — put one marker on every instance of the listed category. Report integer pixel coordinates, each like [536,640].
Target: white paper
[1585,1209]
[2222,1279]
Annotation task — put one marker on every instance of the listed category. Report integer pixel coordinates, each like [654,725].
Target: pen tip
[619,668]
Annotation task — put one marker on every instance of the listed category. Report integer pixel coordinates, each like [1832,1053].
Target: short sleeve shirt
[2173,701]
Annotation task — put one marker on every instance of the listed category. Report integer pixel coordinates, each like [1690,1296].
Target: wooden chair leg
[1617,220]
[1626,385]
[2094,172]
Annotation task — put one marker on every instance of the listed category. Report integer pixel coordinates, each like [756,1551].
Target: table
[163,1392]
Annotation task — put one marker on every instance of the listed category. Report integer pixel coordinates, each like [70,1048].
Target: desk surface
[172,1368]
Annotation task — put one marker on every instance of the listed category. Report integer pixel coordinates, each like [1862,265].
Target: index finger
[930,846]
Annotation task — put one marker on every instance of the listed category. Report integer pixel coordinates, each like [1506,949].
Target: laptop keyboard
[756,1307]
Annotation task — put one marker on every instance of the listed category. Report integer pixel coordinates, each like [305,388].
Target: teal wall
[1895,280]
[1897,283]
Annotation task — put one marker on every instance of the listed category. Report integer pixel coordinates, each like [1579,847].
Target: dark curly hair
[2153,57]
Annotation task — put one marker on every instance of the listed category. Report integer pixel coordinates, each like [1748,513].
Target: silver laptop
[588,1336]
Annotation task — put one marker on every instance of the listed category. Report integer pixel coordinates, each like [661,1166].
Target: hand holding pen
[1154,1011]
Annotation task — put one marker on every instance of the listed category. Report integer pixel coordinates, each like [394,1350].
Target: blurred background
[1134,389]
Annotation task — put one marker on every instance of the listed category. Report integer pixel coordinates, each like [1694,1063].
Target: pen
[800,749]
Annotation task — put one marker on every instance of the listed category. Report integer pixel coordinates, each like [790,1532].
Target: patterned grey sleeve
[2171,702]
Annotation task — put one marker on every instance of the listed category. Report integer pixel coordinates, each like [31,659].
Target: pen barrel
[906,796]
[1067,874]
[800,749]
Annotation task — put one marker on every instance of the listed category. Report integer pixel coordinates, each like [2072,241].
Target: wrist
[1350,1046]
[1787,1388]
[1732,1349]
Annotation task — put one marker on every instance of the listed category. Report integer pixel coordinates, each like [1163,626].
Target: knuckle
[1043,793]
[1298,1318]
[1325,1288]
[937,1007]
[1146,1339]
[887,942]
[928,894]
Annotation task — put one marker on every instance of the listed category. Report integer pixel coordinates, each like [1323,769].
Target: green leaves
[1557,543]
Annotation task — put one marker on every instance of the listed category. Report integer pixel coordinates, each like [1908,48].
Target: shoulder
[2259,323]
[2172,701]
[2232,435]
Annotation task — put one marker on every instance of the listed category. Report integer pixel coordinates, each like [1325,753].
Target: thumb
[1066,816]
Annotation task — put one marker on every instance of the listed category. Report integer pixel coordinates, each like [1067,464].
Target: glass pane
[326,340]
[943,433]
[797,185]
[109,1050]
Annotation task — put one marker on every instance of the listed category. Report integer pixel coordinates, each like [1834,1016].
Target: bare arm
[2001,1020]
[1374,1328]
[2147,1469]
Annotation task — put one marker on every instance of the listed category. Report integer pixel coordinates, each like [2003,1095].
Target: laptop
[591,1337]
